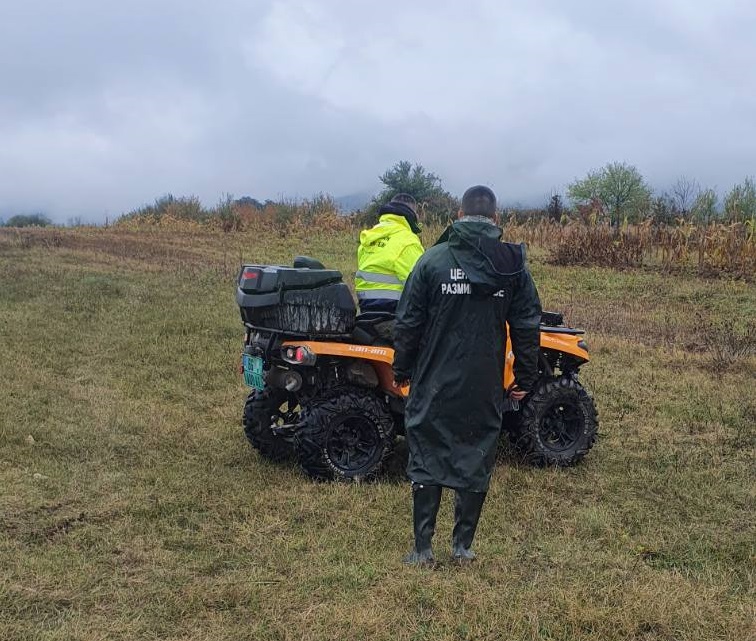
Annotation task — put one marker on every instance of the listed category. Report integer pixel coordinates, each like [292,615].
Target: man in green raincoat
[450,339]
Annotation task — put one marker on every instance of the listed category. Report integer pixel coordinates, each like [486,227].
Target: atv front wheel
[557,424]
[261,411]
[345,435]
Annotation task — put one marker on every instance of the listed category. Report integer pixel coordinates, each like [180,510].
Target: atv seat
[305,262]
[553,322]
[374,328]
[552,319]
[371,318]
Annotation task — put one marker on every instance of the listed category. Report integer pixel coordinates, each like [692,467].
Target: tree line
[616,193]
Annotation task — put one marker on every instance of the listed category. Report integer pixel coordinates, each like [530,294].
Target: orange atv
[322,388]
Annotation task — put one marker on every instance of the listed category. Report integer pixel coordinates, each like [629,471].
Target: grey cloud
[107,105]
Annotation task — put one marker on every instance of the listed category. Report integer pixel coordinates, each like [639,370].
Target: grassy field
[131,506]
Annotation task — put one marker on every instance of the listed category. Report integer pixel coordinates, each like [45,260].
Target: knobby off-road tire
[260,411]
[557,425]
[345,435]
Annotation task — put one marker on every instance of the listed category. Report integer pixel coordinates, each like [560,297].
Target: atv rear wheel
[346,435]
[261,411]
[557,424]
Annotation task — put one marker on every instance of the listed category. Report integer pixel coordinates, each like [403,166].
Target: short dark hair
[405,199]
[479,201]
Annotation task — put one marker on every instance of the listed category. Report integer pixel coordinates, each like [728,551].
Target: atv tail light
[583,345]
[298,355]
[249,278]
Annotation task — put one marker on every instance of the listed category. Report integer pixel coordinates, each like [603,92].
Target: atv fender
[381,358]
[571,344]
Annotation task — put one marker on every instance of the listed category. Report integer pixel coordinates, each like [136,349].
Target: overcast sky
[106,105]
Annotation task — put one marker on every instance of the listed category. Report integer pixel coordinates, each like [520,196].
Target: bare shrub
[601,245]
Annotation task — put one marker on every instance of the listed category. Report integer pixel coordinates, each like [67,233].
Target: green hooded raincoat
[450,338]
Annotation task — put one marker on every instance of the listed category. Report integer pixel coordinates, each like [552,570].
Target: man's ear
[460,214]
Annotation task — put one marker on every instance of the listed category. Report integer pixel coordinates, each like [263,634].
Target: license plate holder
[253,371]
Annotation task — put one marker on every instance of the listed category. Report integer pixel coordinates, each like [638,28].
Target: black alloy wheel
[561,426]
[557,425]
[346,435]
[353,443]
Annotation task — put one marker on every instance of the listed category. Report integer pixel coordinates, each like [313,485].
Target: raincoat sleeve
[524,318]
[411,315]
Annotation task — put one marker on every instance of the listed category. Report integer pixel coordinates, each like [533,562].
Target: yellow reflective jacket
[387,253]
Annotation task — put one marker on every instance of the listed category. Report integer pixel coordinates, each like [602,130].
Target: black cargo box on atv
[310,302]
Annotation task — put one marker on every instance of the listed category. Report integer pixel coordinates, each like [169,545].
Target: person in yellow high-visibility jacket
[387,253]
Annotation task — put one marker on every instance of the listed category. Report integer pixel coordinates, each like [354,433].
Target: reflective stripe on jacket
[387,253]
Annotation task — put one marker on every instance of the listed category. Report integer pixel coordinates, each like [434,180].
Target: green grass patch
[131,506]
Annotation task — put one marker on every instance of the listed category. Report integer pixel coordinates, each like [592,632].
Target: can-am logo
[361,349]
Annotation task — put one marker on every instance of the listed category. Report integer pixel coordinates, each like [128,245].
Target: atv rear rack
[561,330]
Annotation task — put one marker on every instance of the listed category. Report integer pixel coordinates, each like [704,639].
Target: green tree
[619,189]
[28,220]
[704,208]
[434,202]
[740,203]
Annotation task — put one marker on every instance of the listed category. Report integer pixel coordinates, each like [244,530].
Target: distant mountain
[353,202]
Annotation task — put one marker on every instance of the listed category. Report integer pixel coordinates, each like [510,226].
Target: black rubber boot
[467,507]
[426,500]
